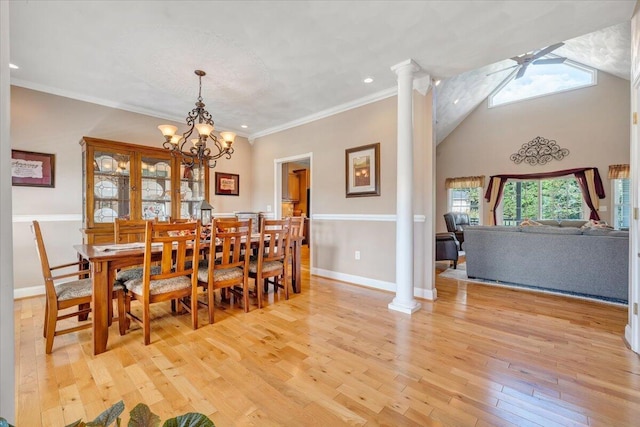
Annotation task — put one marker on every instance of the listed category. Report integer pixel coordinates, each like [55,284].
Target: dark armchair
[456,223]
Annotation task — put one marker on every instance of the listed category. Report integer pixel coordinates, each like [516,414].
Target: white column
[404,301]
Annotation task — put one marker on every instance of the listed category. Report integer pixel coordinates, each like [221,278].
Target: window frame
[585,208]
[568,62]
[450,207]
[614,205]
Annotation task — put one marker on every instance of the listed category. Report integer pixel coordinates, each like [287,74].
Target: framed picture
[362,166]
[227,184]
[32,169]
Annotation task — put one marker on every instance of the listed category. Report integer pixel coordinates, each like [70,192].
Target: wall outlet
[268,208]
[357,255]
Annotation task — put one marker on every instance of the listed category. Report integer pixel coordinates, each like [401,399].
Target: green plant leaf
[4,423]
[191,419]
[78,423]
[109,416]
[141,416]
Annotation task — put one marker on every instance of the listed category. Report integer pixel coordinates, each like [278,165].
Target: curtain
[618,171]
[588,179]
[496,186]
[464,182]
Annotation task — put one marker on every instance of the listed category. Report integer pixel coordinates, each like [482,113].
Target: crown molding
[106,103]
[378,96]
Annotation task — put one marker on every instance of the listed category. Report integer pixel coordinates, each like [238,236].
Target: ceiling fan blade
[503,69]
[547,49]
[549,61]
[521,72]
[519,59]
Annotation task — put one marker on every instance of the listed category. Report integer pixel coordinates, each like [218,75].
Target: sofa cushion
[530,223]
[592,223]
[495,228]
[619,233]
[597,231]
[550,222]
[572,223]
[548,229]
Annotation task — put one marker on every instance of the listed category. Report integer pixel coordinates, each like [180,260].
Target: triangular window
[540,80]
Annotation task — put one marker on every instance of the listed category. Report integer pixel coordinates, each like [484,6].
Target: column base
[408,307]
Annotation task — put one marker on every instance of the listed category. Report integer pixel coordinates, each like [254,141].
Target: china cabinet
[122,180]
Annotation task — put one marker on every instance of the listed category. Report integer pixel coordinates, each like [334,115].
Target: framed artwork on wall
[362,171]
[31,169]
[227,184]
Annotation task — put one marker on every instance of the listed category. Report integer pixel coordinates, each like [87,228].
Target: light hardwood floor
[335,355]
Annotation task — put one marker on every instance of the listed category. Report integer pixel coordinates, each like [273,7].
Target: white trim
[371,283]
[48,218]
[111,104]
[358,280]
[31,291]
[384,94]
[363,217]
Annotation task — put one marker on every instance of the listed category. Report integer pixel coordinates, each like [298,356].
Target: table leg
[100,303]
[297,279]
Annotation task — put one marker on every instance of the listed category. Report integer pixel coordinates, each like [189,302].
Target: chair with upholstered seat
[447,246]
[273,254]
[456,223]
[179,251]
[130,231]
[228,264]
[63,296]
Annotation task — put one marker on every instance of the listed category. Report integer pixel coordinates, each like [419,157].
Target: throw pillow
[529,223]
[592,223]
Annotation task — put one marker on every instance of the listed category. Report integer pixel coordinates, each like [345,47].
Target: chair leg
[123,320]
[194,309]
[455,264]
[146,322]
[84,316]
[245,295]
[259,291]
[212,300]
[51,328]
[285,284]
[46,316]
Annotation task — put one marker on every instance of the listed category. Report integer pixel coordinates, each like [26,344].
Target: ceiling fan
[523,61]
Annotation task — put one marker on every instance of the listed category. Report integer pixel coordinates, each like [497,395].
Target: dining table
[105,259]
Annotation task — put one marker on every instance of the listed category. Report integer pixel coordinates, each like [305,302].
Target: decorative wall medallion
[539,151]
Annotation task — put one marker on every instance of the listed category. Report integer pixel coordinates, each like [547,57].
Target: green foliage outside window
[544,199]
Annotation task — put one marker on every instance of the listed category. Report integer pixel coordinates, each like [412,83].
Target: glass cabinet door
[155,189]
[111,189]
[192,190]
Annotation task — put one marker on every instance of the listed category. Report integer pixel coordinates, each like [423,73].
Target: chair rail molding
[363,217]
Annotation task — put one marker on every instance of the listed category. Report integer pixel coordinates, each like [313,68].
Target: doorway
[293,194]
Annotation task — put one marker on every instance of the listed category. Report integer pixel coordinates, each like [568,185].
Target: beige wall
[591,122]
[52,124]
[335,240]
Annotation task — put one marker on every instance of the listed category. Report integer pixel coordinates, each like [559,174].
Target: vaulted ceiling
[270,64]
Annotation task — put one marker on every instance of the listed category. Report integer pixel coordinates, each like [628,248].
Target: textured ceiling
[607,50]
[272,62]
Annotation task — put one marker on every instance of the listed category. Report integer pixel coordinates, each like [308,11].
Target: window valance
[618,171]
[464,182]
[588,179]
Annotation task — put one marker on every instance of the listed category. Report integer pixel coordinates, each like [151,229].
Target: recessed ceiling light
[13,66]
[438,82]
[456,101]
[368,80]
[244,126]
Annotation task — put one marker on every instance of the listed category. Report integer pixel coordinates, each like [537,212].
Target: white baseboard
[31,291]
[428,294]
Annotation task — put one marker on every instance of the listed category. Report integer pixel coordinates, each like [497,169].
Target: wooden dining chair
[65,295]
[179,247]
[228,265]
[271,260]
[130,231]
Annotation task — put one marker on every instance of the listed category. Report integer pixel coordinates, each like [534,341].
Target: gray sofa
[564,258]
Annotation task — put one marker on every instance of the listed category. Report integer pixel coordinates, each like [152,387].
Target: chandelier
[198,152]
